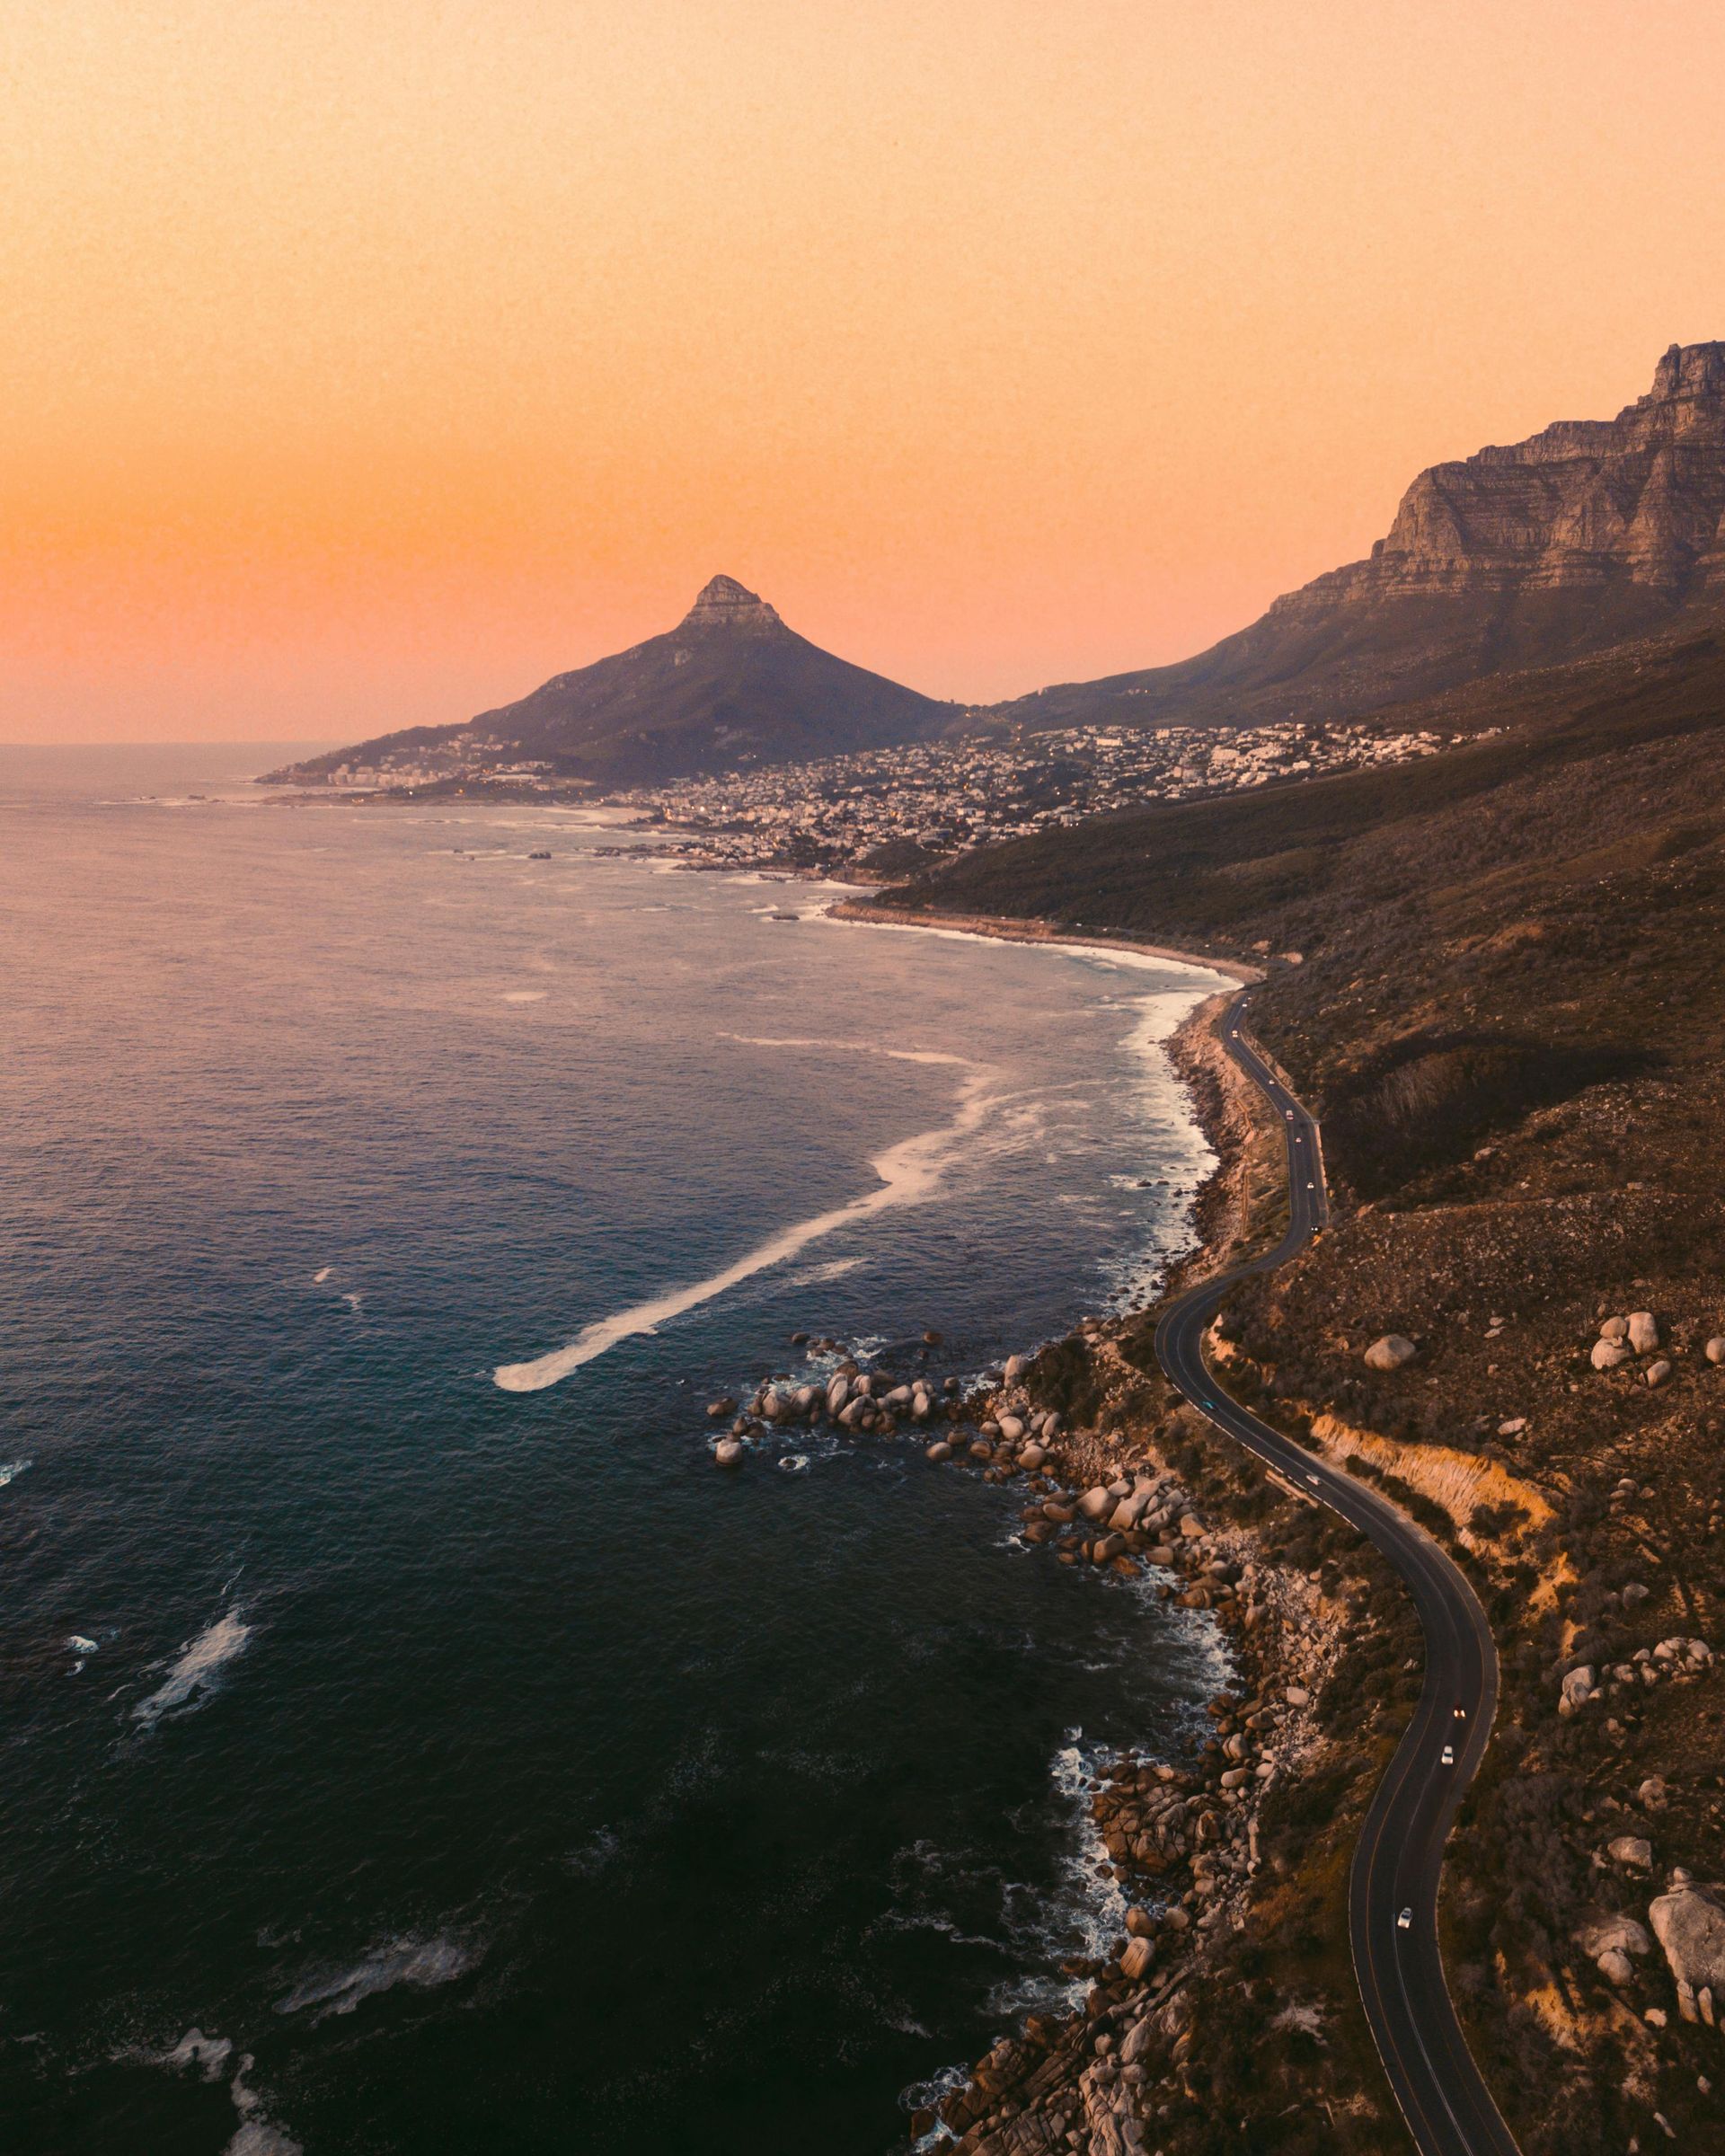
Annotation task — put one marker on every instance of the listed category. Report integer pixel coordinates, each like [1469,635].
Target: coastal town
[888,808]
[892,807]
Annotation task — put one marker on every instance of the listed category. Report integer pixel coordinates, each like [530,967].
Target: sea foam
[817,1276]
[420,1962]
[909,1172]
[196,1671]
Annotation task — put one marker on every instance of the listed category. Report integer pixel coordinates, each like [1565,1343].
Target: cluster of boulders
[1153,1817]
[1608,1943]
[1012,1438]
[1145,1517]
[1687,1920]
[1076,2083]
[1140,1516]
[851,1399]
[1680,1659]
[1066,2085]
[1082,2083]
[1636,1338]
[1092,2083]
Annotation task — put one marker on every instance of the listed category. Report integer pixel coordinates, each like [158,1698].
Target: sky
[364,363]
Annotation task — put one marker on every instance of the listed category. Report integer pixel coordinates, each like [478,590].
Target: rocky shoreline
[1183,1836]
[1109,1466]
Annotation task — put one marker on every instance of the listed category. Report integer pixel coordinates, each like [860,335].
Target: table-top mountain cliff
[1587,533]
[730,685]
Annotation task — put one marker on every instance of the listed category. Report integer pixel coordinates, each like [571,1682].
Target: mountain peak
[1693,370]
[725,603]
[729,686]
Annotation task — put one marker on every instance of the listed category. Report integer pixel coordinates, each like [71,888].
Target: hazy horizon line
[247,741]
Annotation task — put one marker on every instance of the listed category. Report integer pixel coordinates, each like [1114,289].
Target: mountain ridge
[1587,533]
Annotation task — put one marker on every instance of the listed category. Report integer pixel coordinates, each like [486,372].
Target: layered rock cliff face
[1588,532]
[1584,505]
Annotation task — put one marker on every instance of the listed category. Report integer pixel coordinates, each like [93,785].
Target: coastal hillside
[1589,532]
[729,686]
[1312,866]
[1495,976]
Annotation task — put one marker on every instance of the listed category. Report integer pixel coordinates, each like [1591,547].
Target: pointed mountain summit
[1587,533]
[723,603]
[729,686]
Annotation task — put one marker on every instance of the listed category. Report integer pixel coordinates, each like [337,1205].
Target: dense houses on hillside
[887,808]
[946,796]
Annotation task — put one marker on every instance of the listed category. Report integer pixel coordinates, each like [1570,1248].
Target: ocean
[413,1742]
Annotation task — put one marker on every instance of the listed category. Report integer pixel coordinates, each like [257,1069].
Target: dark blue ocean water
[483,1764]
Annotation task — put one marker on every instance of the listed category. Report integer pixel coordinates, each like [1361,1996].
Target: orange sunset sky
[367,362]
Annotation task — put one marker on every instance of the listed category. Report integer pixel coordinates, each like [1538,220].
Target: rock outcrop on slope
[730,685]
[1587,533]
[1689,1923]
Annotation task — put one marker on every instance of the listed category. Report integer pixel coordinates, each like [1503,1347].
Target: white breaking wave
[1134,1278]
[1087,1909]
[422,1963]
[849,1047]
[197,1667]
[815,1276]
[261,2137]
[10,1471]
[255,2134]
[319,1277]
[210,2054]
[909,1172]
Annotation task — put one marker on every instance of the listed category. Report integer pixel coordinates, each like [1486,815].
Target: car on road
[1290,1114]
[1404,1923]
[1313,1479]
[1459,1711]
[1448,1759]
[1311,1185]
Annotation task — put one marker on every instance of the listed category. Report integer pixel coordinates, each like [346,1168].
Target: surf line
[908,1172]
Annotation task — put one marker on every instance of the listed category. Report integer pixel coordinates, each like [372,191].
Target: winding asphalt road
[1396,1866]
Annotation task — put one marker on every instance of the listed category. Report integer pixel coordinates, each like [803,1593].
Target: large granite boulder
[1576,1689]
[1689,1923]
